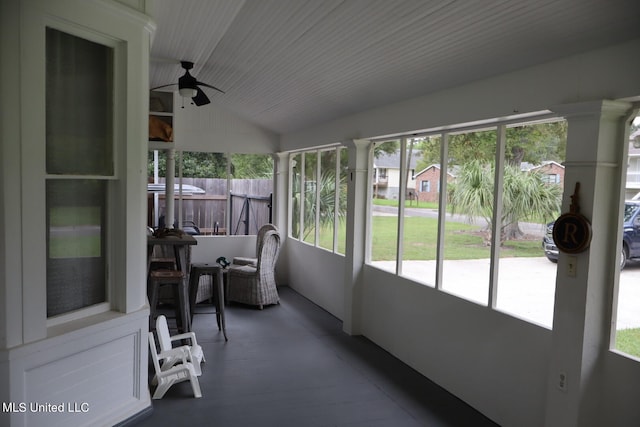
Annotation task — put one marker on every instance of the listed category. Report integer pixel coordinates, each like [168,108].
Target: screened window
[490,210]
[384,221]
[627,301]
[318,197]
[216,193]
[79,170]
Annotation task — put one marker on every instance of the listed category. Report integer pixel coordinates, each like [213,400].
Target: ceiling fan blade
[200,98]
[163,86]
[209,86]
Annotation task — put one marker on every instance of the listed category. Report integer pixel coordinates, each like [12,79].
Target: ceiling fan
[189,86]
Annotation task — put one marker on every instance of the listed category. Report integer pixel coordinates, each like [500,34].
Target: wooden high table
[180,245]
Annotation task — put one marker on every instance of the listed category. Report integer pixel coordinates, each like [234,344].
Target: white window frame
[227,156]
[36,324]
[318,152]
[111,180]
[500,127]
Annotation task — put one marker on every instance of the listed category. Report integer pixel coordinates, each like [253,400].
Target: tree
[251,166]
[527,143]
[536,143]
[326,203]
[203,165]
[197,164]
[327,184]
[194,165]
[525,196]
[389,147]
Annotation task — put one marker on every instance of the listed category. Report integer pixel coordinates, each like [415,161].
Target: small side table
[215,271]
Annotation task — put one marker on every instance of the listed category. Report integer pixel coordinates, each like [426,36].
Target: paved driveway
[526,286]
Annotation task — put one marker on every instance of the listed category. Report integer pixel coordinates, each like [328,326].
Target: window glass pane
[327,199]
[76,230]
[531,197]
[468,224]
[342,210]
[310,203]
[627,338]
[79,105]
[296,185]
[204,190]
[421,211]
[384,221]
[251,192]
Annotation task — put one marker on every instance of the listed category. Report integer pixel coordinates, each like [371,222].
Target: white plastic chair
[194,352]
[177,373]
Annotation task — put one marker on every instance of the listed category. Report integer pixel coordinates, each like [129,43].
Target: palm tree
[326,203]
[525,197]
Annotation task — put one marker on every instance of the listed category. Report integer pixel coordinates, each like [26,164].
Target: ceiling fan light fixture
[187,92]
[190,87]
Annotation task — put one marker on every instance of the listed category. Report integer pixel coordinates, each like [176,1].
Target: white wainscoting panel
[92,376]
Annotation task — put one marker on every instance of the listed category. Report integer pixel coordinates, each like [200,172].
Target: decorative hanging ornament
[572,230]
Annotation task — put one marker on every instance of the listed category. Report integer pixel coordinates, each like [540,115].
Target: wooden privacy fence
[250,205]
[254,212]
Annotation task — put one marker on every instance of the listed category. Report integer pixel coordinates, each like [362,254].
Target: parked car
[630,236]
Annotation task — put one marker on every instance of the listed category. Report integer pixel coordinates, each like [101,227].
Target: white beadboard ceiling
[289,64]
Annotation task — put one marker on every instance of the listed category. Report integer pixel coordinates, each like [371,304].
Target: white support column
[280,192]
[156,195]
[280,209]
[582,314]
[179,160]
[169,188]
[357,192]
[496,221]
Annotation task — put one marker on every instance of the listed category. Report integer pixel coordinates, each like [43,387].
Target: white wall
[317,274]
[496,363]
[213,129]
[209,248]
[500,365]
[621,384]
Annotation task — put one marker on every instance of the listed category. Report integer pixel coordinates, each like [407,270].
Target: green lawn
[73,244]
[462,241]
[407,204]
[63,216]
[628,341]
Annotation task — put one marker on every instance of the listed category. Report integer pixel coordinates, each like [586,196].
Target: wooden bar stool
[163,263]
[176,278]
[215,271]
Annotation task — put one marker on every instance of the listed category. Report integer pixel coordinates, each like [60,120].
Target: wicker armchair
[256,285]
[254,261]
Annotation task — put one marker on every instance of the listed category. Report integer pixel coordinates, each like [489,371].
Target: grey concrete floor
[291,365]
